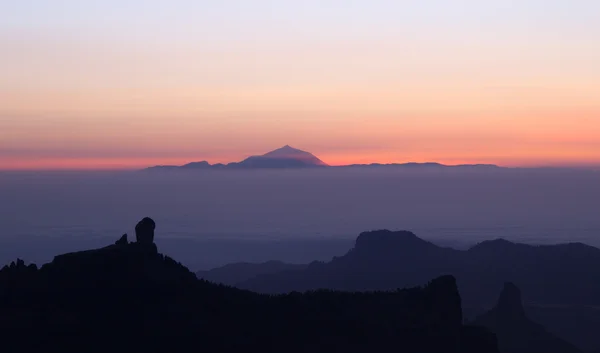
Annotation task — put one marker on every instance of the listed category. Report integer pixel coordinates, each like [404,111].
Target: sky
[131,83]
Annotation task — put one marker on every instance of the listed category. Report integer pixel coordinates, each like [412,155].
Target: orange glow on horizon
[520,138]
[359,87]
[333,159]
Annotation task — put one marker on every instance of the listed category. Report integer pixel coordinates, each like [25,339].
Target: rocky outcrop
[510,303]
[515,332]
[391,243]
[16,275]
[144,231]
[127,297]
[122,240]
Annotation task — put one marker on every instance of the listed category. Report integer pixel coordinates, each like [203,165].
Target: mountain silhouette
[288,157]
[288,152]
[284,157]
[384,260]
[238,272]
[426,166]
[515,332]
[380,260]
[197,165]
[578,324]
[560,282]
[127,297]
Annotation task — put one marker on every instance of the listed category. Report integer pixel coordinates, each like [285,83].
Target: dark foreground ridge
[127,297]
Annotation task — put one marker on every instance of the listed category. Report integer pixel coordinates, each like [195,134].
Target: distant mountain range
[384,260]
[288,157]
[561,282]
[243,271]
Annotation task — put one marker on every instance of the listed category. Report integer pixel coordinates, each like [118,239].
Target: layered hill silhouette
[285,157]
[239,272]
[560,282]
[515,331]
[288,157]
[382,260]
[127,297]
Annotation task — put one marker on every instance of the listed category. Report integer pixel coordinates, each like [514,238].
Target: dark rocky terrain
[127,297]
[381,260]
[561,283]
[515,331]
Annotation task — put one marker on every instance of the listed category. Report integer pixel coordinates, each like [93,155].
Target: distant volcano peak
[288,157]
[290,153]
[285,149]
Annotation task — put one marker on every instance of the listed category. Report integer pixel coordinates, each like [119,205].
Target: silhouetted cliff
[127,297]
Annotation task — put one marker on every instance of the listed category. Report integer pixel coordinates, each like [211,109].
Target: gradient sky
[130,83]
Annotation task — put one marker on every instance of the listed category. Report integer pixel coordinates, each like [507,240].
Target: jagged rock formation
[515,332]
[144,231]
[122,240]
[127,297]
[510,303]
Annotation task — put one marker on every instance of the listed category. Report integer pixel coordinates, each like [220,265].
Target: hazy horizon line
[131,168]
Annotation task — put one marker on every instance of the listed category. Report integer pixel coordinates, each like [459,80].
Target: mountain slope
[382,260]
[288,152]
[560,281]
[515,332]
[284,157]
[129,298]
[239,272]
[288,157]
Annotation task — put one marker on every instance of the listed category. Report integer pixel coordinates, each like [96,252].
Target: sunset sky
[132,83]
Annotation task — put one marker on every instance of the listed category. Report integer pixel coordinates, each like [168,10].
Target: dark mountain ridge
[285,157]
[237,272]
[127,297]
[383,260]
[561,282]
[288,157]
[424,165]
